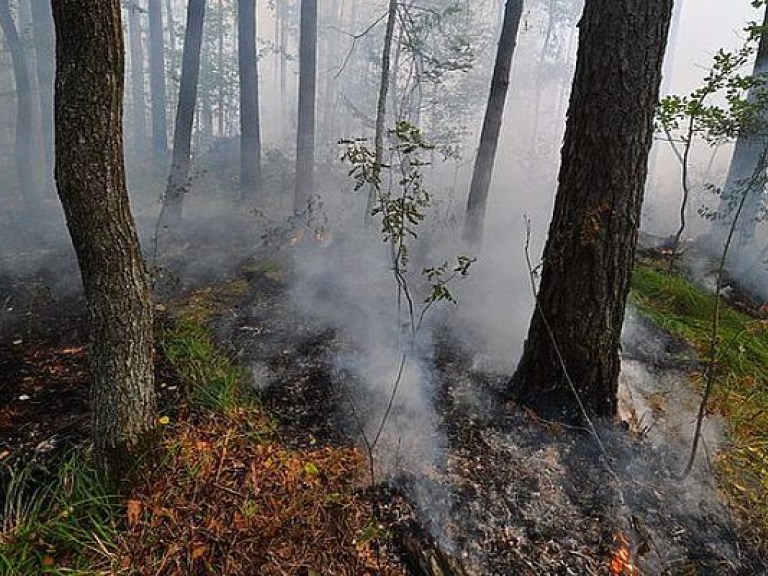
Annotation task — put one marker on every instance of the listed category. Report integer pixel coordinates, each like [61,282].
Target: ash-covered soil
[506,493]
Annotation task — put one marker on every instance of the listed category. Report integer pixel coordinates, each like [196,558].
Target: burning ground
[279,483]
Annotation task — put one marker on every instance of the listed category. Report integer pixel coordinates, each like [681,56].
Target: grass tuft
[741,388]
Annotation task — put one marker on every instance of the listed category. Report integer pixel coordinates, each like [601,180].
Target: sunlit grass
[741,390]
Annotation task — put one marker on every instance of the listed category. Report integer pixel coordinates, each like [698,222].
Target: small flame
[621,562]
[296,239]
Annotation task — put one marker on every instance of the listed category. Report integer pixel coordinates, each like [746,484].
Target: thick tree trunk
[747,154]
[157,83]
[489,137]
[178,181]
[91,181]
[250,136]
[305,132]
[575,332]
[23,151]
[138,98]
[45,56]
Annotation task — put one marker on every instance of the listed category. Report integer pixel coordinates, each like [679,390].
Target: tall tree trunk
[26,29]
[571,356]
[489,137]
[157,83]
[45,52]
[91,181]
[23,151]
[250,136]
[305,132]
[748,153]
[138,98]
[178,181]
[221,93]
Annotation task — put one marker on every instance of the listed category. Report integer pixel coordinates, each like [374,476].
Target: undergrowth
[741,390]
[221,494]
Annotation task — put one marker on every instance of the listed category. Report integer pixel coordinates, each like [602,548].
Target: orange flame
[621,562]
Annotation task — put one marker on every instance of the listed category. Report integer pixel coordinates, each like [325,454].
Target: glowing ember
[296,239]
[621,562]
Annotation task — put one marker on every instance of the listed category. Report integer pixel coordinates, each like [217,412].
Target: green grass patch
[741,389]
[66,523]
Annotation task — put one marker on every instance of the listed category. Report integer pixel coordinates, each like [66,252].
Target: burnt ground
[509,494]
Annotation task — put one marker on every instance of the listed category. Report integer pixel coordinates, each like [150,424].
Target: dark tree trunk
[178,181]
[588,259]
[91,182]
[138,98]
[489,137]
[45,56]
[305,133]
[747,154]
[23,151]
[157,83]
[250,137]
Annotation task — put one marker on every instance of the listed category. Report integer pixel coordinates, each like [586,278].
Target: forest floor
[260,472]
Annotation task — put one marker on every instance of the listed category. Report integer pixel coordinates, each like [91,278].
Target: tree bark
[23,150]
[45,56]
[178,181]
[250,136]
[138,97]
[489,137]
[157,83]
[305,132]
[91,181]
[589,254]
[748,153]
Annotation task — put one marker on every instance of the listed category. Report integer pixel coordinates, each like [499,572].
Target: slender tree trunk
[222,74]
[489,138]
[250,135]
[305,132]
[748,153]
[26,28]
[91,181]
[23,151]
[571,356]
[178,181]
[157,83]
[138,97]
[45,51]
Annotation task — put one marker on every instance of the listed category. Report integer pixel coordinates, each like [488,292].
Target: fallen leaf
[199,550]
[133,510]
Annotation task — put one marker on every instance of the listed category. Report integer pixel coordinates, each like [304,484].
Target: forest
[383,287]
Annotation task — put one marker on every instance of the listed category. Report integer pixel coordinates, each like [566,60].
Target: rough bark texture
[157,83]
[23,151]
[747,154]
[91,182]
[178,181]
[250,134]
[138,99]
[589,253]
[45,56]
[489,137]
[305,132]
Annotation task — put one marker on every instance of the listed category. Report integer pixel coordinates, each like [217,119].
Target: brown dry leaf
[199,550]
[133,511]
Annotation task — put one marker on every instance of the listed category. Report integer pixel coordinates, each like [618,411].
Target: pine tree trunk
[589,254]
[138,98]
[305,132]
[178,181]
[157,83]
[250,137]
[91,182]
[45,51]
[489,137]
[23,151]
